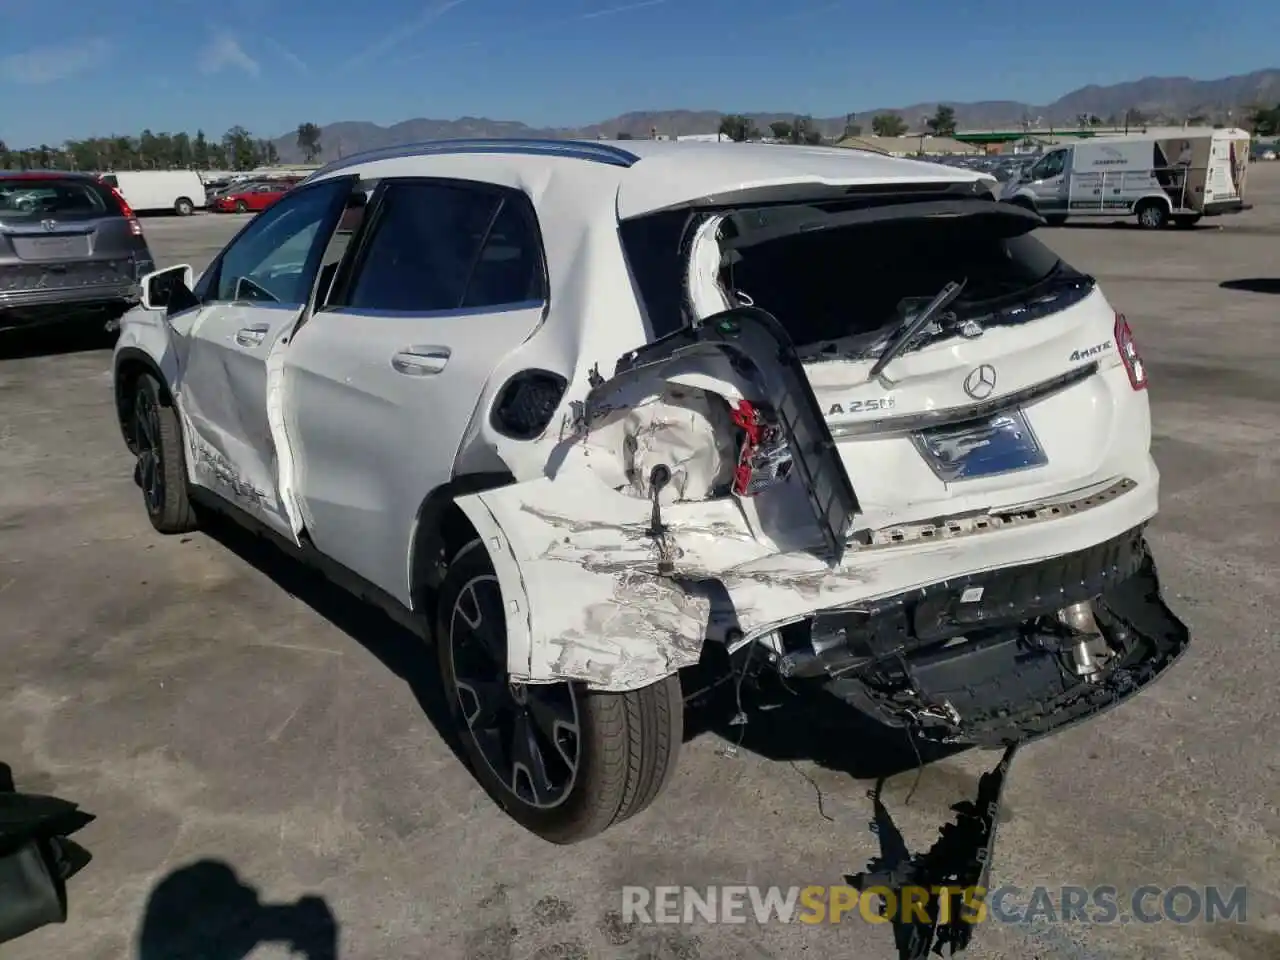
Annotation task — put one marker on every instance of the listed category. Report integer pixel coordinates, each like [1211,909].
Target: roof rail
[590,150]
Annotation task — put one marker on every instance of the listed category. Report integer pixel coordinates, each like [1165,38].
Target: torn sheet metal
[579,565]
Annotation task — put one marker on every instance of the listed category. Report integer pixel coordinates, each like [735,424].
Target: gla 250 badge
[860,406]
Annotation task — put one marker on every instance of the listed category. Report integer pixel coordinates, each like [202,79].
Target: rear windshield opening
[52,199]
[854,283]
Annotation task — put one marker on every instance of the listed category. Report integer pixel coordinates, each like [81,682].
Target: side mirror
[168,288]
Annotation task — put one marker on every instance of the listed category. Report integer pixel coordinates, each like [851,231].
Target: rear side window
[56,199]
[442,246]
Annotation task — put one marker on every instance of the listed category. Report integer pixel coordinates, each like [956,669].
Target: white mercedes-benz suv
[580,412]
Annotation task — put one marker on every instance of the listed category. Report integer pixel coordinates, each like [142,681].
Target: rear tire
[241,207]
[183,207]
[162,468]
[613,752]
[1152,214]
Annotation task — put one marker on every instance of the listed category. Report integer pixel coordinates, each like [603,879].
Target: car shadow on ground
[789,723]
[53,341]
[205,910]
[1253,285]
[783,726]
[396,648]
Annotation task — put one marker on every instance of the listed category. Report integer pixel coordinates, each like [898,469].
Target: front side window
[276,258]
[1050,166]
[445,246]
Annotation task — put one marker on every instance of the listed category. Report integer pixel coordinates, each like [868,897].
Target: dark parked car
[70,250]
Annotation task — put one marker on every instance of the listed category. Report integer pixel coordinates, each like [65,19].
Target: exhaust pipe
[1079,617]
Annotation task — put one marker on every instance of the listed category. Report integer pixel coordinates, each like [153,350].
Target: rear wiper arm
[945,297]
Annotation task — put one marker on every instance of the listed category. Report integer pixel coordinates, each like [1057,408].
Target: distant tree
[1134,117]
[309,141]
[888,125]
[738,128]
[1264,121]
[623,135]
[200,151]
[943,122]
[803,130]
[1197,120]
[241,150]
[780,129]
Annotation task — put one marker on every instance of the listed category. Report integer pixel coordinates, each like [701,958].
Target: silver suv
[70,249]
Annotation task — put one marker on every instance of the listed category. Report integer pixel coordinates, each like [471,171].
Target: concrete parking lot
[241,731]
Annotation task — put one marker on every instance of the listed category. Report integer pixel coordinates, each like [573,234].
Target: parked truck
[1163,176]
[156,191]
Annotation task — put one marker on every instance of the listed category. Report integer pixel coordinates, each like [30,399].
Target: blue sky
[100,67]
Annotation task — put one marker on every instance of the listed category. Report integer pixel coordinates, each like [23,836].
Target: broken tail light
[1129,355]
[126,211]
[764,458]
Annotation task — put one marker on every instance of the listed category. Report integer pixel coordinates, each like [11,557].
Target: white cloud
[222,52]
[624,8]
[403,32]
[56,61]
[284,53]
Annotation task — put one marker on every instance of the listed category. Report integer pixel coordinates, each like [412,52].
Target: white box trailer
[151,191]
[1173,175]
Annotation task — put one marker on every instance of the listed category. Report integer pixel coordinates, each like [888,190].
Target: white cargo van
[1160,176]
[151,191]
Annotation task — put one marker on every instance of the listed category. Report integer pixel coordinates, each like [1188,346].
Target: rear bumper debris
[982,659]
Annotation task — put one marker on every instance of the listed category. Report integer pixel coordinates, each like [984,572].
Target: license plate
[63,276]
[1001,443]
[51,248]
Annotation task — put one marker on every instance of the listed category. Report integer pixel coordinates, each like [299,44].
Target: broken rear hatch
[1012,414]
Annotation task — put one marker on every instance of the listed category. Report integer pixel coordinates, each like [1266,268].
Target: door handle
[253,335]
[420,361]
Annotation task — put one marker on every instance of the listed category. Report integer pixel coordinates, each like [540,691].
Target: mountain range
[1169,98]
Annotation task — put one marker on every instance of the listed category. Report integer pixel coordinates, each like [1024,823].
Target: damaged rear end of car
[880,431]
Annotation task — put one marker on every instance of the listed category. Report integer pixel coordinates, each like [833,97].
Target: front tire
[1152,215]
[161,469]
[563,761]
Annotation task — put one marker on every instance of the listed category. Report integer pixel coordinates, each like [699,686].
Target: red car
[255,197]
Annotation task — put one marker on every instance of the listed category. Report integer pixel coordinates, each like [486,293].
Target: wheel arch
[1156,197]
[442,527]
[449,518]
[131,364]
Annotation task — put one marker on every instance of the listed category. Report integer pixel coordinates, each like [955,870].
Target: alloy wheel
[146,423]
[529,735]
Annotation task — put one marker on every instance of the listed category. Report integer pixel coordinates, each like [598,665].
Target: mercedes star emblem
[980,382]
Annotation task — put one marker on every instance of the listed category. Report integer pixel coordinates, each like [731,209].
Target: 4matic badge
[1088,352]
[860,406]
